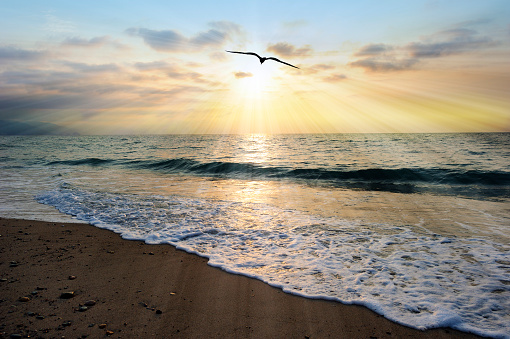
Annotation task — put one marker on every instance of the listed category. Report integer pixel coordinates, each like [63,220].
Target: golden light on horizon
[246,97]
[356,74]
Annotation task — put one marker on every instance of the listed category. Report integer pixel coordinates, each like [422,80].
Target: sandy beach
[49,273]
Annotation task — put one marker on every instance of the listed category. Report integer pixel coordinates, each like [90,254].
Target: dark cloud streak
[163,41]
[11,53]
[455,41]
[173,41]
[11,127]
[384,58]
[80,42]
[284,49]
[96,42]
[384,65]
[373,49]
[335,78]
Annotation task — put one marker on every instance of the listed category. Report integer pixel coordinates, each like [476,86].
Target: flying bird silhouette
[262,59]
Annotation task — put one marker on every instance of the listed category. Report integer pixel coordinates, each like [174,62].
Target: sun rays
[156,77]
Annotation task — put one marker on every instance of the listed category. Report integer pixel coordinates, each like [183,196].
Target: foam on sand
[417,279]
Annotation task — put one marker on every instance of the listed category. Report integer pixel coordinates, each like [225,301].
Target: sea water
[414,226]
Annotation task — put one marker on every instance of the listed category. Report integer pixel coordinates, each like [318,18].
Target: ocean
[413,226]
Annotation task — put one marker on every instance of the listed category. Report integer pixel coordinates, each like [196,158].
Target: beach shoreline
[154,291]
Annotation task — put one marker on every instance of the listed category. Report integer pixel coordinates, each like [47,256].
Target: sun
[254,93]
[252,78]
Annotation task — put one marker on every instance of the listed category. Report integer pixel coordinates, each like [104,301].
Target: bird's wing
[249,53]
[275,59]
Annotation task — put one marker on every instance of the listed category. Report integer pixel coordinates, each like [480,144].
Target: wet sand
[154,291]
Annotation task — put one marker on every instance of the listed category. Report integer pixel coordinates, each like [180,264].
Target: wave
[85,161]
[404,180]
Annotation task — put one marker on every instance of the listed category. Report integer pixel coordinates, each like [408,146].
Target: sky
[160,67]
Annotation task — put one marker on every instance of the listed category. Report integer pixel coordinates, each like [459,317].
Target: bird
[262,59]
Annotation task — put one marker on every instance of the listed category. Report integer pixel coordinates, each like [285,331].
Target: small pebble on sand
[89,303]
[67,295]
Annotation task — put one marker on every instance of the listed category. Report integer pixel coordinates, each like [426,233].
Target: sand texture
[136,290]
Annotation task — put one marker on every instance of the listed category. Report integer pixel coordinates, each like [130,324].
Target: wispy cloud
[174,41]
[449,42]
[92,68]
[319,70]
[169,70]
[384,64]
[287,50]
[218,56]
[384,57]
[96,42]
[373,49]
[80,42]
[316,68]
[164,41]
[334,78]
[240,75]
[9,127]
[56,25]
[323,67]
[228,27]
[87,88]
[12,53]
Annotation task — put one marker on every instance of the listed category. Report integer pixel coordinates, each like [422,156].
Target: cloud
[14,104]
[35,78]
[57,25]
[95,42]
[11,127]
[317,68]
[170,70]
[165,94]
[373,49]
[88,68]
[471,23]
[11,53]
[218,56]
[173,41]
[62,83]
[287,50]
[73,75]
[240,75]
[228,27]
[151,66]
[335,78]
[164,41]
[83,86]
[212,37]
[384,65]
[323,67]
[80,42]
[384,58]
[449,42]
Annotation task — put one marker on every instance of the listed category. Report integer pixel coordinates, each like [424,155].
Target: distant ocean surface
[414,226]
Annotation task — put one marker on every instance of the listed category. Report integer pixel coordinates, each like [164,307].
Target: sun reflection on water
[256,149]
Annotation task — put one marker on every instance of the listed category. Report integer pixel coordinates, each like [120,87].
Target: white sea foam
[420,280]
